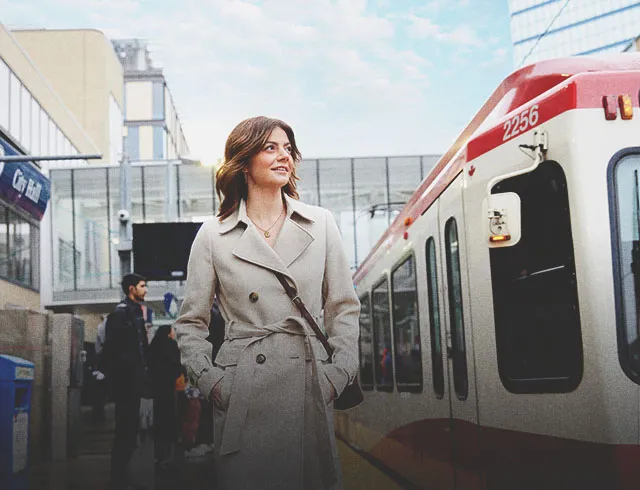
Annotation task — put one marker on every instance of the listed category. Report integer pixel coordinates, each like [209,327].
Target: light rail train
[500,327]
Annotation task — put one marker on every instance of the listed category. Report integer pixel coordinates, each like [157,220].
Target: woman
[272,383]
[165,369]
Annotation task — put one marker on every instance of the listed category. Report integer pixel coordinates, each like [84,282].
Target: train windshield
[626,185]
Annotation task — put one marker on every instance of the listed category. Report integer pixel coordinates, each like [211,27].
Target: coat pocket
[199,365]
[325,384]
[226,385]
[230,352]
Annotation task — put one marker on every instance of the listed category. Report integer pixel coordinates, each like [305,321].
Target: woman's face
[272,165]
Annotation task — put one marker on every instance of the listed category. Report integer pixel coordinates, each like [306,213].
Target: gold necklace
[266,232]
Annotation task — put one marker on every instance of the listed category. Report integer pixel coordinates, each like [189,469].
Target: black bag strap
[293,294]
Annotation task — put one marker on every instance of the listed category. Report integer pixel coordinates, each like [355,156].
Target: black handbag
[352,395]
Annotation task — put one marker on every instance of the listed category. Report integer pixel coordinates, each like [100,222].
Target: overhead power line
[546,31]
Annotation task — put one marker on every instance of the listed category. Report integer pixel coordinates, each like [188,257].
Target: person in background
[99,381]
[165,370]
[126,356]
[191,420]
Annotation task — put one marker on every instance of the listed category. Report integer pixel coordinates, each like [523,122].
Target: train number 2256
[520,123]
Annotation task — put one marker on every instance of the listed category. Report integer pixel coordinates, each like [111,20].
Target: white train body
[550,397]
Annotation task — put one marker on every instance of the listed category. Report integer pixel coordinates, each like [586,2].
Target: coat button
[253,297]
[260,358]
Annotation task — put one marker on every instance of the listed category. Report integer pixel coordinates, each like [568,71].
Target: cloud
[498,56]
[464,35]
[329,67]
[424,28]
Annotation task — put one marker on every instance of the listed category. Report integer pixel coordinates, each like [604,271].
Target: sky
[352,77]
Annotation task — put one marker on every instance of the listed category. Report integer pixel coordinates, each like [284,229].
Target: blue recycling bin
[16,379]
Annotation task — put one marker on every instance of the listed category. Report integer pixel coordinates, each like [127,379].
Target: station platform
[90,469]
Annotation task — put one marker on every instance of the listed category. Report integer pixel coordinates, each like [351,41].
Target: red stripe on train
[528,117]
[500,459]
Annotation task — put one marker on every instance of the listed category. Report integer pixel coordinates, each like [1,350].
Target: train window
[406,327]
[382,351]
[456,315]
[537,320]
[366,344]
[434,319]
[624,185]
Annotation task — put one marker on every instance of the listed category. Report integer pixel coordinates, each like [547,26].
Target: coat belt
[243,382]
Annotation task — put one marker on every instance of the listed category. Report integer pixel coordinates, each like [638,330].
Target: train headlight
[626,106]
[610,107]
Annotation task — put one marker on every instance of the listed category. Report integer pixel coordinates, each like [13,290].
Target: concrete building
[82,68]
[154,132]
[542,29]
[85,272]
[33,120]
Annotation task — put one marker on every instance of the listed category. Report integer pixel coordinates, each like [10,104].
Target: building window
[53,142]
[35,128]
[382,337]
[44,133]
[14,106]
[624,187]
[158,143]
[366,344]
[434,319]
[19,249]
[68,256]
[59,142]
[133,143]
[535,297]
[456,310]
[406,327]
[25,133]
[4,241]
[158,100]
[4,95]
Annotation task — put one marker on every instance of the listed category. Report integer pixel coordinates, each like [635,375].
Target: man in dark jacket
[126,356]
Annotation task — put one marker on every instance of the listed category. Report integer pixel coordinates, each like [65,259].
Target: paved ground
[359,474]
[90,469]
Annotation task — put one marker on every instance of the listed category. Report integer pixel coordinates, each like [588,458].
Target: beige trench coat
[275,427]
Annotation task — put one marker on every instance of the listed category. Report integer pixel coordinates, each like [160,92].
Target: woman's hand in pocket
[332,391]
[216,394]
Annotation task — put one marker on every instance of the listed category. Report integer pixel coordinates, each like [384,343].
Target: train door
[459,340]
[441,476]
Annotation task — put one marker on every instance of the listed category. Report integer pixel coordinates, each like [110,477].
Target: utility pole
[125,243]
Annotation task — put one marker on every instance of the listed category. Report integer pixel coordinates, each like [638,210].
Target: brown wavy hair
[246,140]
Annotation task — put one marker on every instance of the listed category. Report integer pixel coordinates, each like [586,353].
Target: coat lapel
[294,238]
[253,248]
[292,241]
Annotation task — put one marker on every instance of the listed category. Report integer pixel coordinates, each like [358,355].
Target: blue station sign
[22,184]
